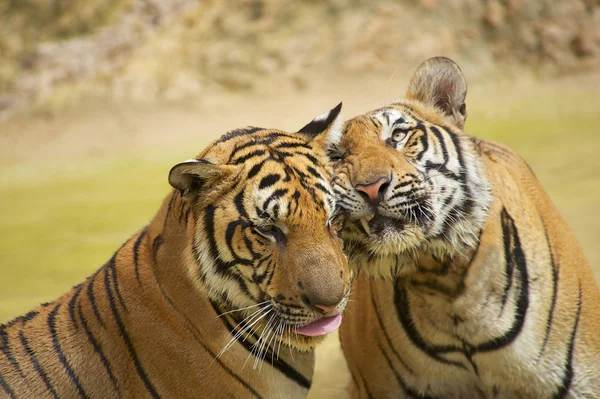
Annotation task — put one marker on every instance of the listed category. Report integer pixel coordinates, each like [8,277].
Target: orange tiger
[478,287]
[224,294]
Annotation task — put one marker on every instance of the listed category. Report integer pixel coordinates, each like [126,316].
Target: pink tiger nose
[374,192]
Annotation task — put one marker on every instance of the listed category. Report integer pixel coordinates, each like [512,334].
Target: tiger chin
[224,294]
[470,283]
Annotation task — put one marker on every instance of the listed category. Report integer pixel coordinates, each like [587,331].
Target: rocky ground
[56,53]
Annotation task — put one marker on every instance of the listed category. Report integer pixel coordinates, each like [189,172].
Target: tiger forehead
[240,146]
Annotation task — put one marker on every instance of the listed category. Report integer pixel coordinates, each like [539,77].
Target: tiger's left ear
[325,130]
[198,178]
[439,82]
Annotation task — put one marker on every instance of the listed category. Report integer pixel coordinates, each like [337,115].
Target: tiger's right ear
[198,176]
[439,81]
[325,130]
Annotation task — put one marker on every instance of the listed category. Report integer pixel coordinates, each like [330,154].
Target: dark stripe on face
[403,312]
[59,352]
[440,137]
[237,133]
[467,205]
[36,365]
[250,155]
[275,196]
[72,304]
[563,390]
[293,145]
[125,335]
[255,169]
[384,330]
[209,219]
[239,204]
[268,181]
[424,141]
[136,254]
[97,347]
[513,254]
[286,369]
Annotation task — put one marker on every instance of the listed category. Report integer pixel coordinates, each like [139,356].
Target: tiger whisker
[247,307]
[236,336]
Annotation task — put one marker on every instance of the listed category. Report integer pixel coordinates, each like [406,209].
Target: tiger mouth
[377,224]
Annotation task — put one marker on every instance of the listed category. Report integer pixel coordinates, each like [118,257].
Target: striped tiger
[470,283]
[224,294]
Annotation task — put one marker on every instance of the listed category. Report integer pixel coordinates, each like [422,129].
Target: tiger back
[470,283]
[224,294]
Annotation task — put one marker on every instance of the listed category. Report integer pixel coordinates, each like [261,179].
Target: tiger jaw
[385,235]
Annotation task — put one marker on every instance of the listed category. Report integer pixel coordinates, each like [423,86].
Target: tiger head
[266,238]
[408,177]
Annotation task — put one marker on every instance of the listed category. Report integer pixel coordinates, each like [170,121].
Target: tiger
[225,293]
[470,284]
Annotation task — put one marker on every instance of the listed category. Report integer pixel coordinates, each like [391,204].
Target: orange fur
[146,324]
[499,302]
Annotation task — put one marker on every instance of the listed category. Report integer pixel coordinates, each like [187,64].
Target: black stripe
[8,353]
[248,156]
[555,276]
[59,352]
[403,312]
[72,304]
[364,384]
[278,363]
[192,329]
[516,256]
[97,348]
[6,387]
[294,145]
[442,142]
[508,259]
[268,181]
[383,329]
[276,195]
[92,298]
[254,171]
[36,364]
[122,330]
[237,132]
[136,254]
[112,265]
[408,390]
[563,390]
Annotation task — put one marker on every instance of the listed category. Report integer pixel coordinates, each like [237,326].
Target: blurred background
[98,99]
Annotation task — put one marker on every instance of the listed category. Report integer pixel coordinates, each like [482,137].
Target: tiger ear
[198,176]
[326,129]
[439,82]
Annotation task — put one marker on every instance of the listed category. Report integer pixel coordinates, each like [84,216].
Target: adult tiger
[248,234]
[485,291]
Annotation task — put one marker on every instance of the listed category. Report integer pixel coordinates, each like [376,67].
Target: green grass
[61,223]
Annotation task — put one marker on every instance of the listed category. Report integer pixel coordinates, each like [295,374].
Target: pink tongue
[321,327]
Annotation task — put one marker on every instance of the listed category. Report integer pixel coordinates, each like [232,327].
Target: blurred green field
[62,221]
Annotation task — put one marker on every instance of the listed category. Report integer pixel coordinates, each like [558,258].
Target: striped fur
[480,288]
[250,226]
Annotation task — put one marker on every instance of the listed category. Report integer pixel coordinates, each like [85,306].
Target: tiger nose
[322,307]
[374,192]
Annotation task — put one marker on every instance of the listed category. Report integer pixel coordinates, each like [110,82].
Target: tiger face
[267,237]
[408,177]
